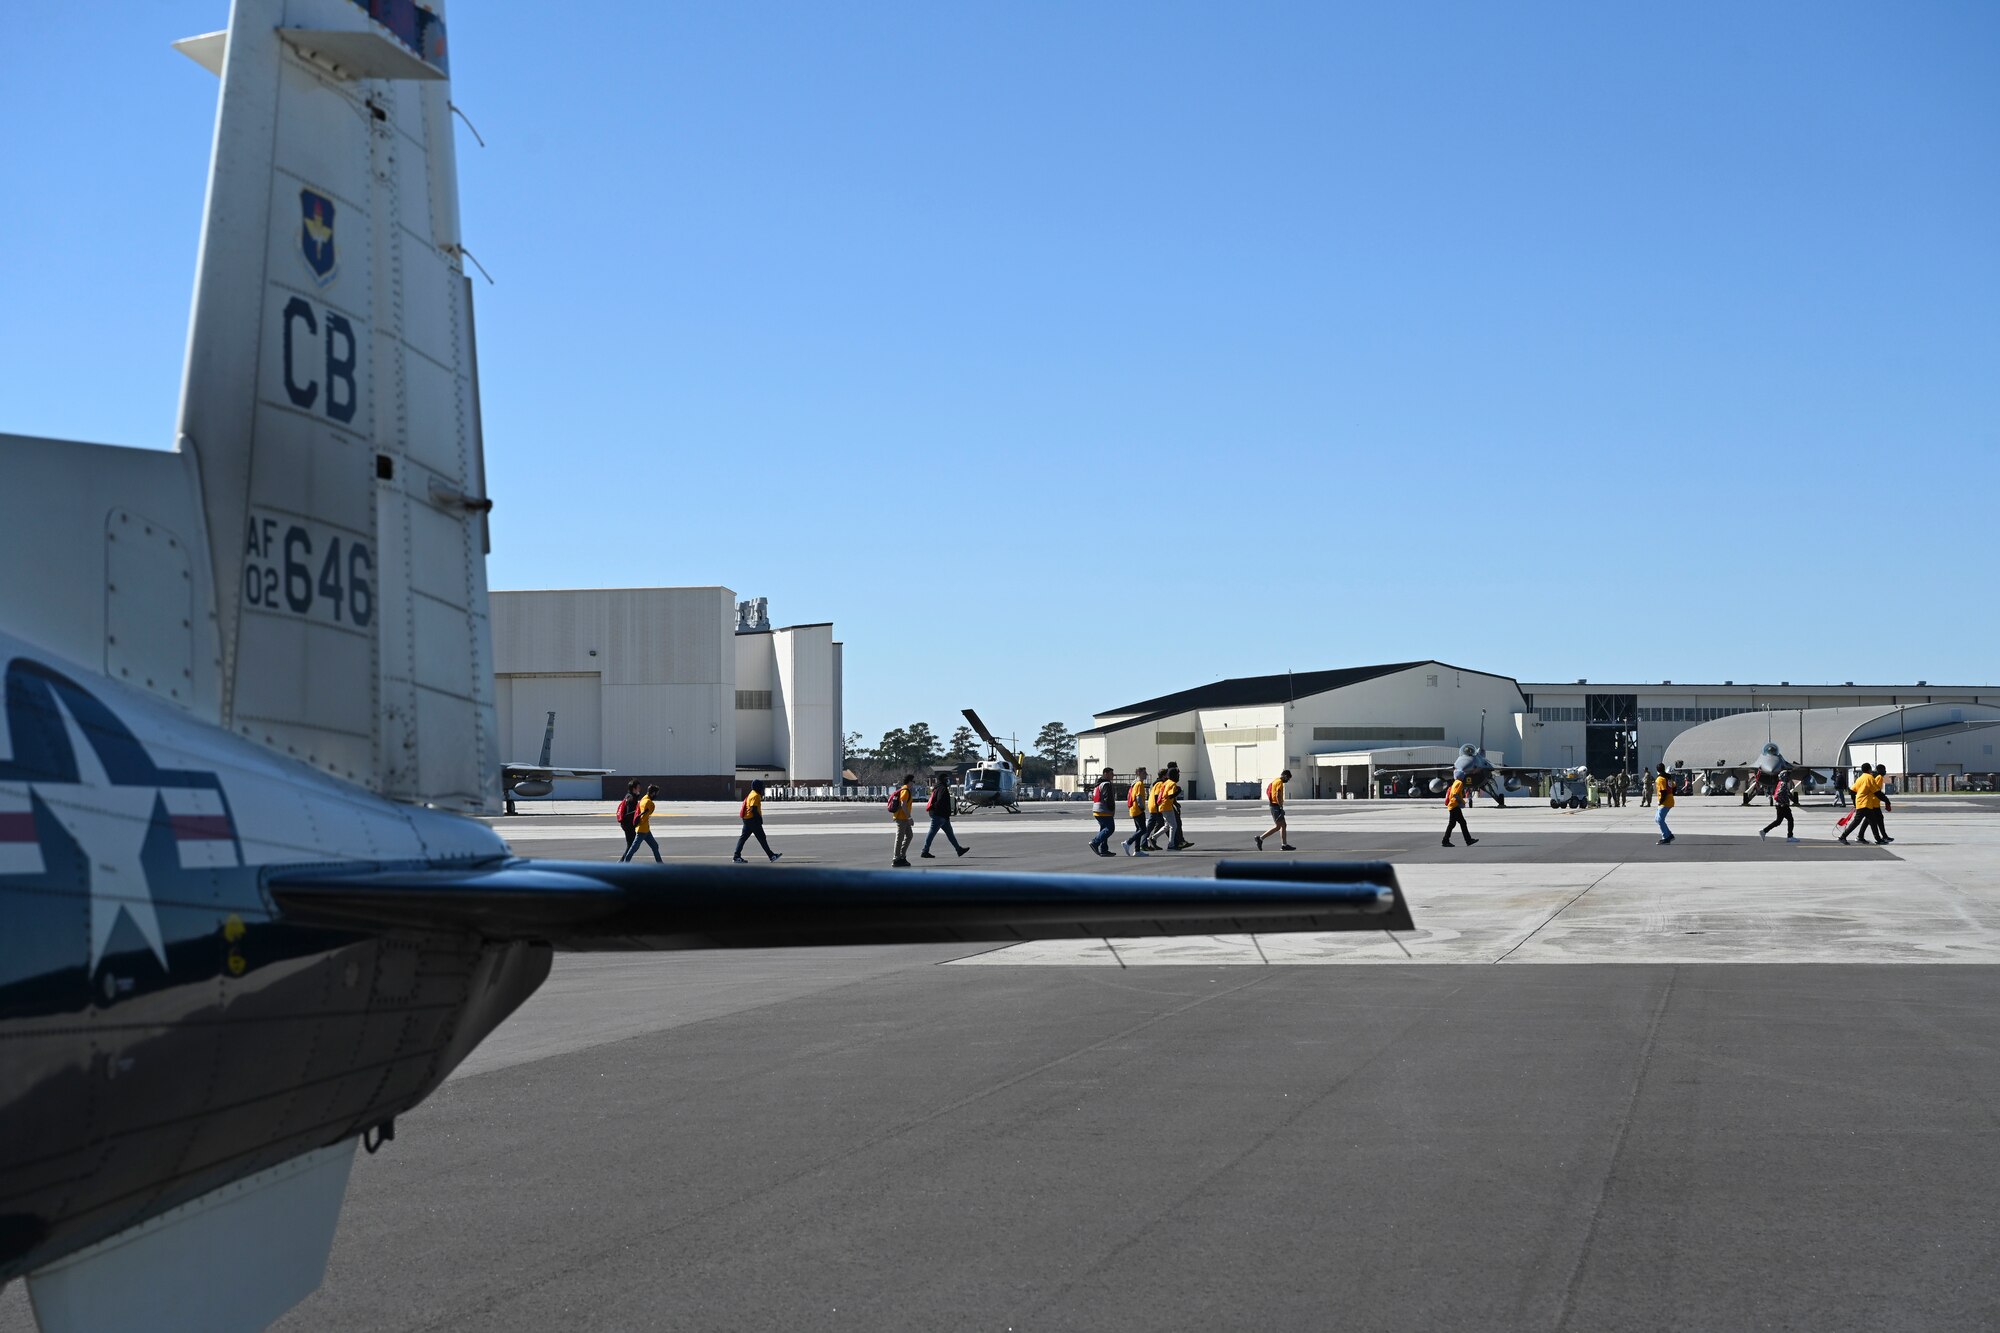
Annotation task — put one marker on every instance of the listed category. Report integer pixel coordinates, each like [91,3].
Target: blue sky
[1063,355]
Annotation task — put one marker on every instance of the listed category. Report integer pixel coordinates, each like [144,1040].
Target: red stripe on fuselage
[190,828]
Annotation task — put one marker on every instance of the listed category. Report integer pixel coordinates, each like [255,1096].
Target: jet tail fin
[331,401]
[548,739]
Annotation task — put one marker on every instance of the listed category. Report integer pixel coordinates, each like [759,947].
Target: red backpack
[626,812]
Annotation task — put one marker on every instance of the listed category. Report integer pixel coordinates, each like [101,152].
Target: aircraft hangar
[1330,728]
[683,687]
[1336,729]
[1943,738]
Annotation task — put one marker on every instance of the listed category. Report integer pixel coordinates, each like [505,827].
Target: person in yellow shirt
[1663,793]
[1156,821]
[1136,797]
[1867,789]
[899,810]
[1454,801]
[753,822]
[642,828]
[1168,790]
[1274,792]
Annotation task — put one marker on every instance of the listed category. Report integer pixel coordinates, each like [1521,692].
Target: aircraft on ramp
[533,781]
[247,699]
[992,783]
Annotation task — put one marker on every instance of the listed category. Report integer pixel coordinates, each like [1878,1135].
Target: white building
[1939,738]
[1327,727]
[1608,726]
[659,684]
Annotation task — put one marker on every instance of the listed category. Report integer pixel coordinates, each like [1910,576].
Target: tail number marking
[308,570]
[334,336]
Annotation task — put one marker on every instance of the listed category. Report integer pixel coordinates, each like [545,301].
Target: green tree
[1055,744]
[924,747]
[856,747]
[963,744]
[893,749]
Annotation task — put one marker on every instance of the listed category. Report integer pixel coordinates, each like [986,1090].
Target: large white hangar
[1631,726]
[1941,738]
[1328,727]
[683,687]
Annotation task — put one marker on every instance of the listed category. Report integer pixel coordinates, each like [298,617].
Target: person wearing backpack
[1274,792]
[752,813]
[1135,806]
[642,830]
[900,801]
[939,809]
[1781,798]
[628,813]
[1102,797]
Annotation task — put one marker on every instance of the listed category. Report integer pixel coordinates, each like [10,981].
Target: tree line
[917,749]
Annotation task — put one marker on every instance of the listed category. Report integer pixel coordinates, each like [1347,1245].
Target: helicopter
[993,781]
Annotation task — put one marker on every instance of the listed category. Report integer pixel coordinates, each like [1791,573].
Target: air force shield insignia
[316,235]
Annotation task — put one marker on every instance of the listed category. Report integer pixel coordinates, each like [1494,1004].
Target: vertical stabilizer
[331,402]
[548,740]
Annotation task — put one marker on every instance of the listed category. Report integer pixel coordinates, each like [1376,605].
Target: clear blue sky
[1062,355]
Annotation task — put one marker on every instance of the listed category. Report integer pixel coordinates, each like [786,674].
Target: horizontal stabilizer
[608,905]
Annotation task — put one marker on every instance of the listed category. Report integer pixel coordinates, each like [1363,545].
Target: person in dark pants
[753,822]
[1866,795]
[1103,798]
[1781,799]
[1645,790]
[1135,806]
[628,814]
[644,830]
[939,809]
[1881,804]
[1454,801]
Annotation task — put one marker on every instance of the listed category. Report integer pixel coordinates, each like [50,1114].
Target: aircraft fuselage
[218,1038]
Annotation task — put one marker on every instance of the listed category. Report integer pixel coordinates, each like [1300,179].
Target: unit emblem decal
[316,235]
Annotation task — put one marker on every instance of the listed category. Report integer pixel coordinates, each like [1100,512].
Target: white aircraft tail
[331,401]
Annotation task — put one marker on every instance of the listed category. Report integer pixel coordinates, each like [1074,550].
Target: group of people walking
[1154,806]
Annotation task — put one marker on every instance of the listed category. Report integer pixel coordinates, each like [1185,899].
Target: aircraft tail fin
[331,401]
[548,739]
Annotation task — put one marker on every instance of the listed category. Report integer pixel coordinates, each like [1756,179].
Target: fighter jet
[246,708]
[1761,779]
[533,781]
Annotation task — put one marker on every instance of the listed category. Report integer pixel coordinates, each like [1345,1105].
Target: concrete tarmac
[1722,1084]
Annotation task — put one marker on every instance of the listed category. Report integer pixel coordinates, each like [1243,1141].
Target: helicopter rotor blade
[990,738]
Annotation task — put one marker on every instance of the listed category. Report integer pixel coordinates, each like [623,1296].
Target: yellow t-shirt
[645,824]
[1663,786]
[1166,790]
[753,806]
[903,801]
[1453,793]
[1867,791]
[1135,799]
[1276,793]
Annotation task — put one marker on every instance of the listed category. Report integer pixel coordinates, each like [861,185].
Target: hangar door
[1241,784]
[524,703]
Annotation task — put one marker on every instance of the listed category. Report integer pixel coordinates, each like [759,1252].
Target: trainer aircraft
[246,715]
